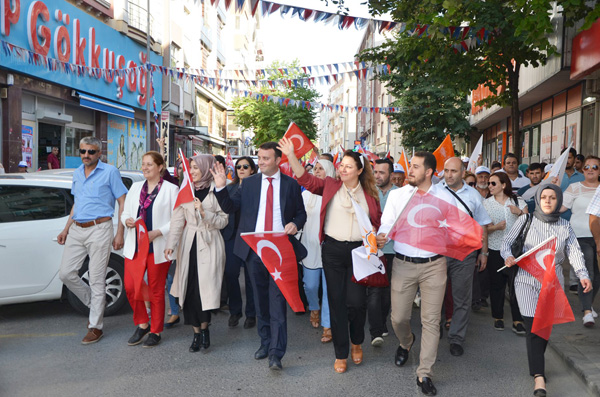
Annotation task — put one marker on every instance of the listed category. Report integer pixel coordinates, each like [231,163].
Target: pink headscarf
[204,162]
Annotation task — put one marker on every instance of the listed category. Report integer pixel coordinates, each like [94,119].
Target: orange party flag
[444,152]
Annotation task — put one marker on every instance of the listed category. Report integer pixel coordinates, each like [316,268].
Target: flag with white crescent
[302,144]
[186,190]
[277,254]
[436,225]
[552,305]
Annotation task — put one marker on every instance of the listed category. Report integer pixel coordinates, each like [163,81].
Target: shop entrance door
[49,135]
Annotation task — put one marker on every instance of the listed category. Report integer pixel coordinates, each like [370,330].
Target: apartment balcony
[205,37]
[220,54]
[136,17]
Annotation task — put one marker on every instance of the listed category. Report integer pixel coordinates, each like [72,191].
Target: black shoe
[476,306]
[138,335]
[427,386]
[574,289]
[483,303]
[519,329]
[250,322]
[195,347]
[402,354]
[275,363]
[456,349]
[499,325]
[539,392]
[171,325]
[205,338]
[152,340]
[262,352]
[234,320]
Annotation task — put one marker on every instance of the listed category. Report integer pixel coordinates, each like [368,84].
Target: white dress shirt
[260,219]
[396,202]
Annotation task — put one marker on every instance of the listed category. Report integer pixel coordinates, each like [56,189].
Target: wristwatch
[485,253]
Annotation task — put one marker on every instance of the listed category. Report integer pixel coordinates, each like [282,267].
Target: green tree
[268,120]
[518,32]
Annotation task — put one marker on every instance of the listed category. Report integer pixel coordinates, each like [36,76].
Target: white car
[34,209]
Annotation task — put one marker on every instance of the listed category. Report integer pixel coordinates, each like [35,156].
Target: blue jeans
[172,300]
[312,278]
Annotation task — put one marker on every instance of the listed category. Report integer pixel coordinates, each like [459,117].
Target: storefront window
[535,141]
[73,136]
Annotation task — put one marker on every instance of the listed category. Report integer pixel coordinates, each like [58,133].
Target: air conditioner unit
[45,115]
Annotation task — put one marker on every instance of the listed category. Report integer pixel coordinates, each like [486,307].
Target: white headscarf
[329,171]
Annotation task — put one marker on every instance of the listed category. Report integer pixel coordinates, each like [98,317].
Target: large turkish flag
[435,225]
[552,305]
[302,144]
[277,254]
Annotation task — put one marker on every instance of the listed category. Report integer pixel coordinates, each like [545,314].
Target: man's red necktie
[269,209]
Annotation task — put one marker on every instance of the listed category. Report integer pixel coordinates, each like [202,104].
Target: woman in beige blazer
[200,252]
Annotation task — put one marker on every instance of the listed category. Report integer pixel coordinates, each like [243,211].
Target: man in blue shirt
[96,186]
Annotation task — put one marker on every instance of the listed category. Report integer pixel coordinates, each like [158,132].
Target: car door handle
[55,239]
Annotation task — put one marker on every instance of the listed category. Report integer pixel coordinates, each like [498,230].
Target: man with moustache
[536,173]
[89,231]
[482,173]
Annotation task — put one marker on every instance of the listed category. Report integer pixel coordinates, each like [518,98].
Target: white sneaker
[377,341]
[417,300]
[588,320]
[594,313]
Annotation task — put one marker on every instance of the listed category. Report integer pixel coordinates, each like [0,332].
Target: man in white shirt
[461,273]
[415,268]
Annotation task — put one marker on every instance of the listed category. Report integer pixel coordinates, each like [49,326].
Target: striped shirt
[528,288]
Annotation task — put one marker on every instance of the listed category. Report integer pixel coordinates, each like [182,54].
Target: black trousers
[379,302]
[536,347]
[347,300]
[233,265]
[498,282]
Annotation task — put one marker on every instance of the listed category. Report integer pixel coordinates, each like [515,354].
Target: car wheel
[115,287]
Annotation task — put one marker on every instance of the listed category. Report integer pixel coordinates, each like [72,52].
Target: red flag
[443,153]
[230,165]
[552,305]
[313,158]
[277,254]
[388,155]
[435,225]
[303,145]
[186,190]
[136,267]
[286,169]
[371,156]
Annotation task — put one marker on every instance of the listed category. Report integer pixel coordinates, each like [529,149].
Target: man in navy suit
[269,201]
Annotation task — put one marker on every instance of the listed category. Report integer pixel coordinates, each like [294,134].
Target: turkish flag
[277,254]
[186,190]
[436,225]
[136,267]
[286,169]
[313,158]
[552,305]
[443,153]
[371,156]
[302,146]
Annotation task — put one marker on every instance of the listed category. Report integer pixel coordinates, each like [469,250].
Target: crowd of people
[196,252]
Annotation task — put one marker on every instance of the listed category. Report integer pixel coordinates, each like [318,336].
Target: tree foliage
[518,32]
[269,121]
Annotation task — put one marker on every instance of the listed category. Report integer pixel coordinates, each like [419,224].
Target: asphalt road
[41,355]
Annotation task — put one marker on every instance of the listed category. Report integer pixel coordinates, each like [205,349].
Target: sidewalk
[579,346]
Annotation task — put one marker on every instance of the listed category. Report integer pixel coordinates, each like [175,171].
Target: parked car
[34,209]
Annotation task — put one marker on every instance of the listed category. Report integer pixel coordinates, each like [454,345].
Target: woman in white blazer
[153,201]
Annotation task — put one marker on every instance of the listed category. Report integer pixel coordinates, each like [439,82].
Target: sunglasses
[471,184]
[244,166]
[492,183]
[90,151]
[594,167]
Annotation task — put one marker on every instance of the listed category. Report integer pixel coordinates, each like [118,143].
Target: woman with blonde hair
[340,234]
[195,232]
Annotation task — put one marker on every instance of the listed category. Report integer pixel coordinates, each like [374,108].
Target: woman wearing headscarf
[313,265]
[546,223]
[195,230]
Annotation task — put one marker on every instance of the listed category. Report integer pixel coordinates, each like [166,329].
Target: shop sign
[55,29]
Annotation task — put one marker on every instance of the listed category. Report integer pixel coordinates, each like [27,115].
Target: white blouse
[499,213]
[310,231]
[577,197]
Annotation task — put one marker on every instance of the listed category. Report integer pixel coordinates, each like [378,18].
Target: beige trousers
[430,277]
[95,241]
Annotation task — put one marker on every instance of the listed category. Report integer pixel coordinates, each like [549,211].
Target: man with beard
[482,173]
[536,174]
[398,176]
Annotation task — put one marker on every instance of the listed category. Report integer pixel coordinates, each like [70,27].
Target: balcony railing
[136,17]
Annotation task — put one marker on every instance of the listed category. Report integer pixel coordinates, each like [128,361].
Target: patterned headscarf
[204,162]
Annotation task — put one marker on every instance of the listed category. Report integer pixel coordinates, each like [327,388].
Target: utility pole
[148,88]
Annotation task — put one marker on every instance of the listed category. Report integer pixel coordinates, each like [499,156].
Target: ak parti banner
[433,224]
[136,267]
[277,254]
[552,305]
[443,153]
[302,144]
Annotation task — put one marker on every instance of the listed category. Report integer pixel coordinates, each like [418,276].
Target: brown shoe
[314,318]
[357,353]
[93,336]
[326,337]
[340,366]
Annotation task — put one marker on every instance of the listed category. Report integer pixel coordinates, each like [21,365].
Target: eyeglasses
[492,183]
[471,184]
[89,151]
[594,167]
[244,166]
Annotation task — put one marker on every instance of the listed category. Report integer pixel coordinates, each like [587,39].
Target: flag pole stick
[526,253]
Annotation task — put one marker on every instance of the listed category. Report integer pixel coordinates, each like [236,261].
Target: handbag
[376,279]
[516,248]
